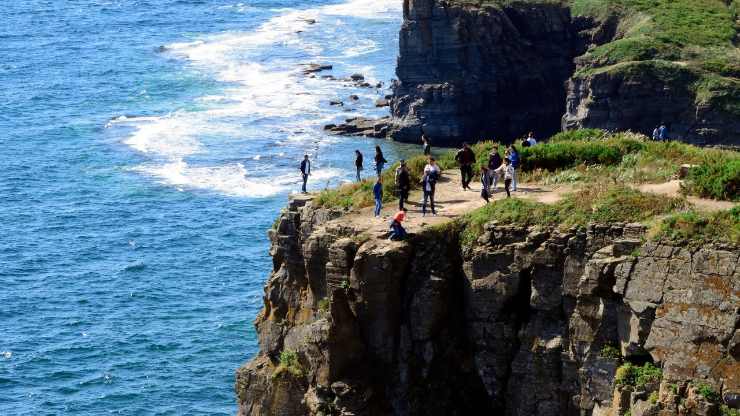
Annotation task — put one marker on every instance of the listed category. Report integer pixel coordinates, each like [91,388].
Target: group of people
[497,169]
[660,133]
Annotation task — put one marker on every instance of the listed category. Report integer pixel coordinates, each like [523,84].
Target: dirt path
[452,201]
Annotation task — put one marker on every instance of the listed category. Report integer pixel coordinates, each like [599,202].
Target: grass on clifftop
[580,156]
[601,204]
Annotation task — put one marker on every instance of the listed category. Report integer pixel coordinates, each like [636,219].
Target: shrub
[718,178]
[564,154]
[708,392]
[696,227]
[725,410]
[638,376]
[324,305]
[610,351]
[653,398]
[288,364]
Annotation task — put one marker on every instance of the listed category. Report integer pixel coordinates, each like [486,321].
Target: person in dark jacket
[466,159]
[429,185]
[485,181]
[305,171]
[426,145]
[403,184]
[378,195]
[397,230]
[494,161]
[379,160]
[358,164]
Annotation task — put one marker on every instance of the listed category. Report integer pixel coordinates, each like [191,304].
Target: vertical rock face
[514,324]
[470,72]
[497,69]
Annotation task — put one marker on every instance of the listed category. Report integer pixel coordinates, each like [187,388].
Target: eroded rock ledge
[514,324]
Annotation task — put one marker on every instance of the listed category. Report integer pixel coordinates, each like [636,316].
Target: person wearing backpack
[466,159]
[403,184]
[429,184]
[305,171]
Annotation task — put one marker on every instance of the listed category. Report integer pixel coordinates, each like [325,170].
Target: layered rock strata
[498,69]
[515,323]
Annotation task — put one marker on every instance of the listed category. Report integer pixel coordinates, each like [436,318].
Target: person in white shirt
[507,171]
[531,140]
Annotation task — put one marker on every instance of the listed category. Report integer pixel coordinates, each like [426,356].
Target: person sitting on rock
[397,230]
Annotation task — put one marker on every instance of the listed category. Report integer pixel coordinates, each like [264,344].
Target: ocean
[145,148]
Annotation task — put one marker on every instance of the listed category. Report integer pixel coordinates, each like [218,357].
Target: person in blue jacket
[378,194]
[513,156]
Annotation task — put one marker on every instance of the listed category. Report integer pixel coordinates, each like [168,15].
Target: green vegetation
[696,227]
[708,392]
[610,351]
[689,39]
[289,364]
[580,156]
[324,305]
[653,398]
[725,410]
[638,376]
[596,203]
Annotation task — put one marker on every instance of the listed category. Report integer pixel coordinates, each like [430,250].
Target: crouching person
[397,230]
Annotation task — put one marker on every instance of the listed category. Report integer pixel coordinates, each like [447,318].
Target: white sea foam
[6,354]
[231,179]
[367,9]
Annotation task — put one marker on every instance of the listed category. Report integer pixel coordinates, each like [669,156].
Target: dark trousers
[428,195]
[466,173]
[403,195]
[507,184]
[358,174]
[305,179]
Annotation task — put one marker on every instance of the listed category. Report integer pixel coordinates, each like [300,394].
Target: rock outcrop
[469,70]
[514,323]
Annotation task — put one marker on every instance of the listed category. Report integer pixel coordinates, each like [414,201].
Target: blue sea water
[145,148]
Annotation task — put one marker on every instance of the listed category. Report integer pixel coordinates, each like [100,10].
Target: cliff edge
[522,321]
[470,70]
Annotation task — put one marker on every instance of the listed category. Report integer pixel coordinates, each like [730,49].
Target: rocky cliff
[469,70]
[523,321]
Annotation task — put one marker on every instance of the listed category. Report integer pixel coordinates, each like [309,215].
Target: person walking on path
[485,181]
[358,164]
[426,145]
[429,184]
[378,195]
[513,156]
[305,171]
[465,158]
[403,183]
[379,160]
[507,170]
[397,230]
[494,161]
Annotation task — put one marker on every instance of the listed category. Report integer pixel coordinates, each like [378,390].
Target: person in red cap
[397,230]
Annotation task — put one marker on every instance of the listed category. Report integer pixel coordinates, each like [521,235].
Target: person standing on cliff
[403,184]
[305,171]
[494,161]
[530,139]
[656,133]
[378,195]
[662,132]
[379,160]
[465,158]
[507,170]
[358,164]
[485,181]
[426,145]
[429,184]
[513,157]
